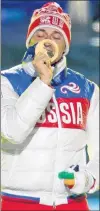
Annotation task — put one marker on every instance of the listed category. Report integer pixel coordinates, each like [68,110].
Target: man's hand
[78,182]
[42,65]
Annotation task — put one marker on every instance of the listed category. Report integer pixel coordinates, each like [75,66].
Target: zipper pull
[54,205]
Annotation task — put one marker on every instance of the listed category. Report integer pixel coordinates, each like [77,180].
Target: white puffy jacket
[45,130]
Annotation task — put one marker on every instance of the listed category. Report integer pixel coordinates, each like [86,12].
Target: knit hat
[50,15]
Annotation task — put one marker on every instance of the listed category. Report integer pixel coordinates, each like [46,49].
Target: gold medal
[48,47]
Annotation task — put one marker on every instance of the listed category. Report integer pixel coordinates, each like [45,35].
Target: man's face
[52,34]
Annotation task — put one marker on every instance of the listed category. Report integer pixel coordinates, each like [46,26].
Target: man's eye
[40,34]
[57,36]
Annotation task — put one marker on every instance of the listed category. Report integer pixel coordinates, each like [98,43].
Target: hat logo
[53,20]
[45,20]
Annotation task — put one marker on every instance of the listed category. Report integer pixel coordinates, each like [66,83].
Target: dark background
[84,51]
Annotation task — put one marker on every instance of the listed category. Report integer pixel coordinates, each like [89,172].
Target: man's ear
[64,53]
[64,50]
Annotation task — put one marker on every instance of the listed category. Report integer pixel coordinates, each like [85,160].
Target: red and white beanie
[50,15]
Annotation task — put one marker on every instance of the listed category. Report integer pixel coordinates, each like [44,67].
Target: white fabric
[93,138]
[21,109]
[39,154]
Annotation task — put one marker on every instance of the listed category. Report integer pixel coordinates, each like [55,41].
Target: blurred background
[84,50]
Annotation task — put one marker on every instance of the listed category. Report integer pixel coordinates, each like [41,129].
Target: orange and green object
[69,178]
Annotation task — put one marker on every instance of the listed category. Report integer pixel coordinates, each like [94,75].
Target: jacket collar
[59,72]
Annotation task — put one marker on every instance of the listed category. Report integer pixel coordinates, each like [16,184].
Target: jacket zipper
[59,126]
[54,205]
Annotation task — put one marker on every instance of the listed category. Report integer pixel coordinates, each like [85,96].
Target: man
[49,115]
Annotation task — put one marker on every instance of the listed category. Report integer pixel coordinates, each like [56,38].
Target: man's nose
[49,49]
[48,46]
[49,36]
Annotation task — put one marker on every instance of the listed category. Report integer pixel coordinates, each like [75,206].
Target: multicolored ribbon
[69,178]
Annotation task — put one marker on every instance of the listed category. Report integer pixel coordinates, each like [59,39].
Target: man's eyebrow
[41,30]
[57,32]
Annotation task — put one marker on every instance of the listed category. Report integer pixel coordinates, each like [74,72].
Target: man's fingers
[42,58]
